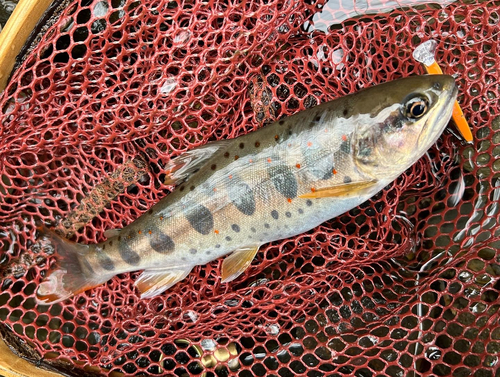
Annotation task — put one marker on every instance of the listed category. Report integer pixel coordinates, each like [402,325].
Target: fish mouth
[437,122]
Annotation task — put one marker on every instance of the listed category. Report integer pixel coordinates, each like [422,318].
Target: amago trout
[277,182]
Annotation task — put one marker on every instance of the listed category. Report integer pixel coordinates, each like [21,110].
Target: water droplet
[273,329]
[168,86]
[191,315]
[208,344]
[182,37]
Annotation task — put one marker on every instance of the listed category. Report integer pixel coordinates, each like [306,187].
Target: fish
[233,196]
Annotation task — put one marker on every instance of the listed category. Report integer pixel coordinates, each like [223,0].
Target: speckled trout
[233,196]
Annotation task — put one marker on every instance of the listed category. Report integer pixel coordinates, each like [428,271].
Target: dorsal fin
[181,167]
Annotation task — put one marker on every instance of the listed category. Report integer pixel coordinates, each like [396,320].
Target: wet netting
[405,284]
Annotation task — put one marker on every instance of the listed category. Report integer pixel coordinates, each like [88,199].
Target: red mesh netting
[406,284]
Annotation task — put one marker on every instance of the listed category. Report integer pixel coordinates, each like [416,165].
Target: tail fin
[68,278]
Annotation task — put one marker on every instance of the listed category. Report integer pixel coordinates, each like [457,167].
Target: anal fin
[153,282]
[346,189]
[236,263]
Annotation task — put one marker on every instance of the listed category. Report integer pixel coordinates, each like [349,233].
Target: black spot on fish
[235,227]
[318,118]
[128,255]
[282,122]
[181,188]
[257,144]
[253,229]
[347,179]
[150,211]
[301,211]
[228,238]
[191,188]
[309,203]
[161,242]
[241,196]
[345,112]
[193,251]
[267,226]
[242,145]
[213,167]
[200,218]
[226,154]
[274,214]
[284,181]
[288,214]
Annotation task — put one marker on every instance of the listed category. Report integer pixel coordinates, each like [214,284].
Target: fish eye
[416,107]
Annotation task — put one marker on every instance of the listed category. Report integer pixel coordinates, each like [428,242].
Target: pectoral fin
[346,189]
[234,265]
[153,282]
[110,233]
[181,167]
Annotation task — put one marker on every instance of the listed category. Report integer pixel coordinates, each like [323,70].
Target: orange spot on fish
[334,171]
[216,231]
[140,231]
[161,217]
[326,130]
[309,144]
[276,137]
[313,189]
[150,232]
[215,189]
[344,137]
[230,177]
[289,200]
[250,160]
[297,166]
[268,160]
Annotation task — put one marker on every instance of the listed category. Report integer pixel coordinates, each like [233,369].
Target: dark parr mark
[105,261]
[161,242]
[288,214]
[235,227]
[87,266]
[309,203]
[267,226]
[283,180]
[253,229]
[200,218]
[217,246]
[193,251]
[241,196]
[228,238]
[128,255]
[301,211]
[347,179]
[275,214]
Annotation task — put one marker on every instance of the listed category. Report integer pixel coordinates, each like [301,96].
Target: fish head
[402,120]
